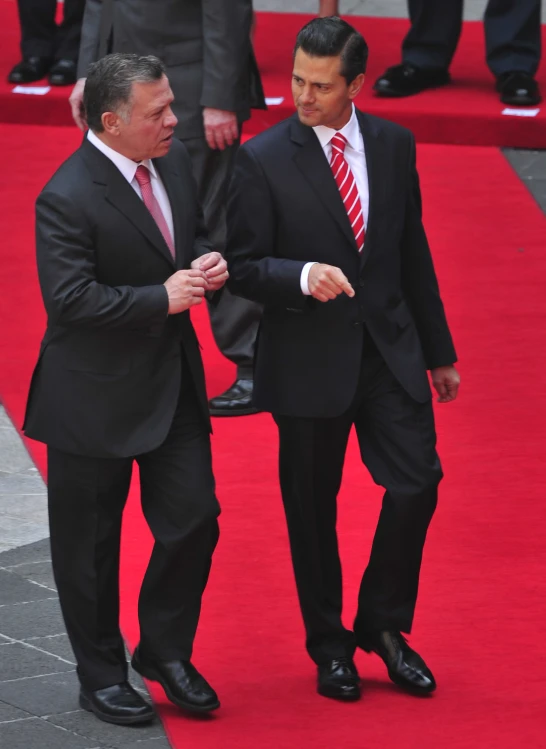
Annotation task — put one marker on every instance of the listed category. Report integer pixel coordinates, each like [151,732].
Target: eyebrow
[314,83]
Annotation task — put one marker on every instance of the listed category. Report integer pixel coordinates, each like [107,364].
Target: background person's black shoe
[406,667]
[182,682]
[407,80]
[119,704]
[63,73]
[236,401]
[29,70]
[518,89]
[339,680]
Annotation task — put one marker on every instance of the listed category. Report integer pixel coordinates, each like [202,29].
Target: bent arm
[72,295]
[256,271]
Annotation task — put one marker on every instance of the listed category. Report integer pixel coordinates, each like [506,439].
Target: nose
[307,96]
[170,120]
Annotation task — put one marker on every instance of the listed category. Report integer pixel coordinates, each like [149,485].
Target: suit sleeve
[226,52]
[90,36]
[419,280]
[256,270]
[66,268]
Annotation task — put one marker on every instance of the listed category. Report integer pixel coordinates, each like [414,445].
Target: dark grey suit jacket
[205,45]
[111,362]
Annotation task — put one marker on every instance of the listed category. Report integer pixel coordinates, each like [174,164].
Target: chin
[312,120]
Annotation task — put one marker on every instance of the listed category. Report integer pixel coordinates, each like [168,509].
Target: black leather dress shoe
[118,704]
[63,73]
[407,80]
[518,89]
[182,682]
[29,70]
[236,401]
[339,680]
[406,667]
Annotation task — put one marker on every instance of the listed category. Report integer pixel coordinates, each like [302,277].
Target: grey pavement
[38,683]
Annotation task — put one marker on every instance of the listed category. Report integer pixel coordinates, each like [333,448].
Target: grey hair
[109,85]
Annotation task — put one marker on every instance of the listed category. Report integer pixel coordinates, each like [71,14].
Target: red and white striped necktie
[346,183]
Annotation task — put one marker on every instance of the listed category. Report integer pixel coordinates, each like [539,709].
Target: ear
[355,86]
[110,123]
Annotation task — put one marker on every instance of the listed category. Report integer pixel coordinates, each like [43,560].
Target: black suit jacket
[109,371]
[285,210]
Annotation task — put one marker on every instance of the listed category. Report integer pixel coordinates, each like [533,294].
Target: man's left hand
[446,381]
[221,127]
[215,269]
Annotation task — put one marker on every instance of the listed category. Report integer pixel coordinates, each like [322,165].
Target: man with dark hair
[47,48]
[206,48]
[122,257]
[512,38]
[325,230]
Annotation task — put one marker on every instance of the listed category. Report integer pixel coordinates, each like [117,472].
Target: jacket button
[356,324]
[361,283]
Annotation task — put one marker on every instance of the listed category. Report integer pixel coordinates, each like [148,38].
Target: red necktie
[150,201]
[347,187]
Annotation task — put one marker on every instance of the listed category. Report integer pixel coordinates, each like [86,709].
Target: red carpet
[468,112]
[480,619]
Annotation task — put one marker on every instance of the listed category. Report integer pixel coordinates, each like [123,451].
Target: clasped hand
[186,288]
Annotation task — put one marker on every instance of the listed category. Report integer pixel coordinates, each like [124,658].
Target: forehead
[316,68]
[152,94]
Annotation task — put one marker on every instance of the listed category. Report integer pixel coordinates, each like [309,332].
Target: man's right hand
[326,282]
[185,288]
[76,103]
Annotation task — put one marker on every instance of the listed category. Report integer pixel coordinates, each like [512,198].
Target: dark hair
[109,85]
[334,37]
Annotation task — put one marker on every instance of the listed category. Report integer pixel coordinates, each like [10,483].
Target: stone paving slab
[38,733]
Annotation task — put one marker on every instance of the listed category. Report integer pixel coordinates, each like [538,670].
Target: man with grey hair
[207,50]
[123,255]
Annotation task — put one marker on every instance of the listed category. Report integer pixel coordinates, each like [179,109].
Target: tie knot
[142,175]
[339,142]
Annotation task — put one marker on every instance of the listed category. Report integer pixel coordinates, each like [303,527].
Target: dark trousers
[397,442]
[86,501]
[234,320]
[40,35]
[512,34]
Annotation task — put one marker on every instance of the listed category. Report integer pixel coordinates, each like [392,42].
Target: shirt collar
[126,166]
[351,132]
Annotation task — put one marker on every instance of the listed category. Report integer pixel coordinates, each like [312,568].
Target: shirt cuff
[304,278]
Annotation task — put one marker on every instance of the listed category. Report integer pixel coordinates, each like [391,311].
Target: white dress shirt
[356,158]
[128,168]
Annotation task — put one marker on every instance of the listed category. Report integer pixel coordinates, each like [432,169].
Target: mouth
[168,139]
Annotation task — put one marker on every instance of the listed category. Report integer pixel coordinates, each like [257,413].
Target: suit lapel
[314,166]
[374,156]
[172,183]
[122,196]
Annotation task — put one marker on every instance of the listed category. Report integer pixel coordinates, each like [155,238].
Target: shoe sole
[152,675]
[131,720]
[238,412]
[340,698]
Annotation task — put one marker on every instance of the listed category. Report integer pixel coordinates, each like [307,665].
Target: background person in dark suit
[325,230]
[120,379]
[48,49]
[513,44]
[206,48]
